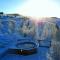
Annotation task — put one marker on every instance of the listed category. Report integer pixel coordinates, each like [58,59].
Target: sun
[39,8]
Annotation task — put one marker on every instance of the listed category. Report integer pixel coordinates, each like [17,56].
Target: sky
[34,8]
[10,6]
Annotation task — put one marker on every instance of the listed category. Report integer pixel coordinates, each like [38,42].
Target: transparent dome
[26,35]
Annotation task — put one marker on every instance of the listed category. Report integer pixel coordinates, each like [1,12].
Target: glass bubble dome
[23,36]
